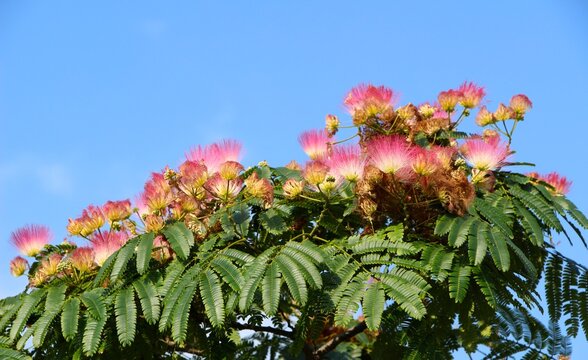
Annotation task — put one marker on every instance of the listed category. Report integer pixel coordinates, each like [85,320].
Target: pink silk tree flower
[485,154]
[225,190]
[520,104]
[449,99]
[18,266]
[214,155]
[472,94]
[392,155]
[315,143]
[369,98]
[105,244]
[31,239]
[82,259]
[157,194]
[117,210]
[561,185]
[347,162]
[425,162]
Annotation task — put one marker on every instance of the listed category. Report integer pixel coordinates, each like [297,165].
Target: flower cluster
[409,164]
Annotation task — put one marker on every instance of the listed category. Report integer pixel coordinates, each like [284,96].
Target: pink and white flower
[18,266]
[392,155]
[484,154]
[82,259]
[369,98]
[315,143]
[347,162]
[472,95]
[106,243]
[561,185]
[31,239]
[214,155]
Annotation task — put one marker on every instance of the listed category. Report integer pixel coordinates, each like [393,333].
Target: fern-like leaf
[10,354]
[69,318]
[373,305]
[126,316]
[30,301]
[93,334]
[212,297]
[272,282]
[149,299]
[499,249]
[459,281]
[53,305]
[180,239]
[553,275]
[144,248]
[253,277]
[477,244]
[123,256]
[294,278]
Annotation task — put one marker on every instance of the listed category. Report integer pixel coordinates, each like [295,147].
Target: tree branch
[331,344]
[288,334]
[185,348]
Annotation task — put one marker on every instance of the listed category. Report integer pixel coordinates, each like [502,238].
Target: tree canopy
[409,237]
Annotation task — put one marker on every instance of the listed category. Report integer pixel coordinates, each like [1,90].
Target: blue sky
[95,96]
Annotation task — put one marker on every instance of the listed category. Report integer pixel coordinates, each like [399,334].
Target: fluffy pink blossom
[106,243]
[391,154]
[225,190]
[18,266]
[117,210]
[424,162]
[193,176]
[373,99]
[30,239]
[520,104]
[561,185]
[315,143]
[82,259]
[157,194]
[449,99]
[347,162]
[485,154]
[472,94]
[444,155]
[214,155]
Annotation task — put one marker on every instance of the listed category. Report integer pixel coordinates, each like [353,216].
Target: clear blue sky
[95,96]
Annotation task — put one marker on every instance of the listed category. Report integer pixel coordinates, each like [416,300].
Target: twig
[331,344]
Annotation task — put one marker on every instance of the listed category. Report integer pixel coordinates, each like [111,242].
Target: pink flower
[157,195]
[520,104]
[50,265]
[315,172]
[214,155]
[369,98]
[472,94]
[106,243]
[425,162]
[82,259]
[260,188]
[485,154]
[561,185]
[485,117]
[91,220]
[392,155]
[193,176]
[444,155]
[347,162]
[30,239]
[448,99]
[315,143]
[230,170]
[225,190]
[18,266]
[161,249]
[117,210]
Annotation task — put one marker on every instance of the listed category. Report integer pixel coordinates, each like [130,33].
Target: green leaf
[350,300]
[53,305]
[437,260]
[69,318]
[181,313]
[180,239]
[272,222]
[253,277]
[144,252]
[477,245]
[540,207]
[373,305]
[308,248]
[173,272]
[406,288]
[149,299]
[242,216]
[459,281]
[9,354]
[495,216]
[293,277]
[212,297]
[123,256]
[126,316]
[93,334]
[30,301]
[228,271]
[95,303]
[238,256]
[306,266]
[486,285]
[172,298]
[445,223]
[529,223]
[272,282]
[499,249]
[460,230]
[553,294]
[105,270]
